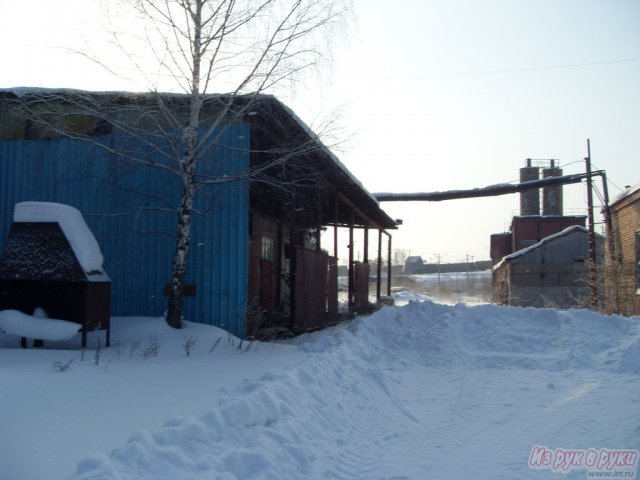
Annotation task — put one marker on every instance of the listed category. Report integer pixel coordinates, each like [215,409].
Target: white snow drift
[425,391]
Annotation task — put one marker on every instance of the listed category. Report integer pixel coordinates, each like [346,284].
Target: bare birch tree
[236,49]
[251,45]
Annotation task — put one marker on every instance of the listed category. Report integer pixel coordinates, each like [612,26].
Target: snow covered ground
[423,391]
[470,288]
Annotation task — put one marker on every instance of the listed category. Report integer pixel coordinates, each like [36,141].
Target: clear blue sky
[454,94]
[429,95]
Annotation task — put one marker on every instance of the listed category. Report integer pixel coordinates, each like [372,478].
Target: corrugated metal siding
[565,249]
[128,209]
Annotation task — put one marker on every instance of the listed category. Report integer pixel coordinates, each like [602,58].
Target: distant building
[622,266]
[414,265]
[541,260]
[550,273]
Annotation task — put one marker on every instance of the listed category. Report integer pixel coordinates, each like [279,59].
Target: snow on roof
[22,91]
[544,241]
[75,229]
[625,194]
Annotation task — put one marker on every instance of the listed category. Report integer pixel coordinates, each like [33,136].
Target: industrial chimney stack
[552,196]
[530,199]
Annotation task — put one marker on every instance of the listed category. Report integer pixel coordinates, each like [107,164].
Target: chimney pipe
[552,196]
[530,199]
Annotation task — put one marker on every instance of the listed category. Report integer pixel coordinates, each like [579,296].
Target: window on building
[267,250]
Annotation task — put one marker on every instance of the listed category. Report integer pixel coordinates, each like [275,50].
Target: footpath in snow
[425,391]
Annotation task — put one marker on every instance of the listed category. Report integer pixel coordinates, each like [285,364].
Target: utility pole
[468,268]
[592,232]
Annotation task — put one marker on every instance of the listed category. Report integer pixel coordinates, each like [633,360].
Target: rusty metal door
[268,285]
[316,302]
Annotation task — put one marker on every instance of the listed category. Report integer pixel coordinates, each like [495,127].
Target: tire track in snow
[376,399]
[384,430]
[367,434]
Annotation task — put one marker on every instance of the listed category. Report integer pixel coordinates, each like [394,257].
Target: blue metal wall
[129,210]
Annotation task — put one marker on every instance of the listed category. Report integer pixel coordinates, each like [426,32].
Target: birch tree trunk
[188,172]
[179,265]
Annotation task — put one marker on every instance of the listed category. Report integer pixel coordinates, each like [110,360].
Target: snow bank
[394,395]
[80,238]
[38,327]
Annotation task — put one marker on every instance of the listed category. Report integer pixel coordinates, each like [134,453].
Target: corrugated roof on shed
[537,253]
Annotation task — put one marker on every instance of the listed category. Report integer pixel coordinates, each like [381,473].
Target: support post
[365,256]
[351,270]
[390,267]
[318,224]
[335,228]
[593,275]
[292,267]
[608,225]
[379,266]
[279,265]
[610,263]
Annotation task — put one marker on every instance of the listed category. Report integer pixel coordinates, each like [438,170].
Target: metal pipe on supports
[490,191]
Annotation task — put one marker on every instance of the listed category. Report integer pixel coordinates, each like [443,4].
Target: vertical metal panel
[361,289]
[128,208]
[311,287]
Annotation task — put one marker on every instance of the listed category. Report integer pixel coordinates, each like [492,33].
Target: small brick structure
[40,268]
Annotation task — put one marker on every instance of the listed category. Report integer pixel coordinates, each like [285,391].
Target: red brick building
[622,269]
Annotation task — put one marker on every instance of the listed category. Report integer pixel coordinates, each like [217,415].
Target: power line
[514,70]
[608,179]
